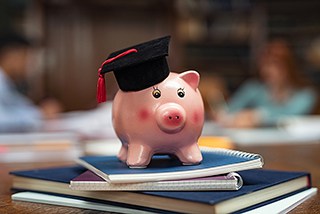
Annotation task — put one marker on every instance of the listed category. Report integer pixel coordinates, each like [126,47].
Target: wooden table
[300,157]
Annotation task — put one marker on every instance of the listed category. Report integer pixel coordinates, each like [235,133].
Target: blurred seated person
[279,91]
[312,57]
[17,112]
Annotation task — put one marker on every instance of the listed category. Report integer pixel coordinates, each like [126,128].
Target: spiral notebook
[89,181]
[216,161]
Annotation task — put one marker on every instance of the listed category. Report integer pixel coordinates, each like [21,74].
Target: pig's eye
[156,93]
[181,92]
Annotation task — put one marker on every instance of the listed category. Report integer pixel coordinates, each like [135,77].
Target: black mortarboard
[137,67]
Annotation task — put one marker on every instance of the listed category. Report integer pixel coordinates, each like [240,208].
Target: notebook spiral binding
[233,153]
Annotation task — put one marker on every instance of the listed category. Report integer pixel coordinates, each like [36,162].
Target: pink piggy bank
[166,118]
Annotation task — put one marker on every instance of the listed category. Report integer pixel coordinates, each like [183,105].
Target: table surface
[298,157]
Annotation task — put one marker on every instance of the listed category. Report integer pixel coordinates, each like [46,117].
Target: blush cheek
[197,117]
[143,114]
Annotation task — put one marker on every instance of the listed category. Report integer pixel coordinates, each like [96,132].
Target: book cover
[216,161]
[89,181]
[260,187]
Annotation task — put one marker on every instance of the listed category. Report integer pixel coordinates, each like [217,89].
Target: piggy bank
[166,118]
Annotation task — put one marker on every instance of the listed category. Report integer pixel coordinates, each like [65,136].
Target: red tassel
[101,89]
[101,85]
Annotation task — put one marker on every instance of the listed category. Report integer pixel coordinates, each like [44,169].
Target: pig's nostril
[175,117]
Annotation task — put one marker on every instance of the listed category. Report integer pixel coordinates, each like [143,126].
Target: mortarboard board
[137,67]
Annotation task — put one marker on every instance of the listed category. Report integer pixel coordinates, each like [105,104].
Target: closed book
[89,181]
[162,167]
[260,187]
[279,206]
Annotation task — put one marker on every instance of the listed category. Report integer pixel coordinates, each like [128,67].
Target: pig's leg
[139,155]
[189,155]
[123,153]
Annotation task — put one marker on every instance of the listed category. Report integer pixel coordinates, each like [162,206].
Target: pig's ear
[191,77]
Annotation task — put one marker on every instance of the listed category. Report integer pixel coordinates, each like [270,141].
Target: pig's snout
[170,117]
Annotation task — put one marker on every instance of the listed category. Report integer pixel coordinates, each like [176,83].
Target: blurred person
[279,91]
[312,57]
[17,112]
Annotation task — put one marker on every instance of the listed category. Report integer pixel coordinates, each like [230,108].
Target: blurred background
[221,39]
[218,38]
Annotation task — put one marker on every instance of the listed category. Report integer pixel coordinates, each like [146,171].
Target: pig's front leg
[139,155]
[190,155]
[123,153]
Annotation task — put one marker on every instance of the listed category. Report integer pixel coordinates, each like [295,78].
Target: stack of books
[39,147]
[226,181]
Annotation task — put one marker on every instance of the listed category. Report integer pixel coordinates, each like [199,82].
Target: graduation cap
[137,67]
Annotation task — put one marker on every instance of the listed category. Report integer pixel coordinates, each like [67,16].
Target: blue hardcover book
[260,187]
[162,167]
